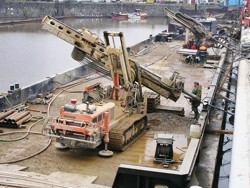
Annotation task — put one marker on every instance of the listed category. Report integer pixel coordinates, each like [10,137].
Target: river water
[29,54]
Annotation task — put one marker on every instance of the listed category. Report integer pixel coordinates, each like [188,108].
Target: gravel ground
[169,122]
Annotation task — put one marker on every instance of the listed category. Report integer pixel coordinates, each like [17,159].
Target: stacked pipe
[14,119]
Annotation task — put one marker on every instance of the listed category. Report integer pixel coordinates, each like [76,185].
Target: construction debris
[171,109]
[42,99]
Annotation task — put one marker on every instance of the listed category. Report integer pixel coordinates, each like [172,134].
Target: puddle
[143,152]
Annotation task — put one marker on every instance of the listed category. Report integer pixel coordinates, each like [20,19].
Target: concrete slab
[55,180]
[11,168]
[73,178]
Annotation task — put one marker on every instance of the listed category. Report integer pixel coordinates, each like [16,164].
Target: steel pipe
[20,116]
[6,114]
[15,119]
[24,119]
[10,116]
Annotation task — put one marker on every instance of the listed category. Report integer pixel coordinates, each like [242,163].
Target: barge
[137,162]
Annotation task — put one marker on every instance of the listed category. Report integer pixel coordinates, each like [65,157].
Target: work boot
[196,116]
[195,121]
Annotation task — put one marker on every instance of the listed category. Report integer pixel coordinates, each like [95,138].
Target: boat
[134,16]
[137,21]
[138,14]
[119,16]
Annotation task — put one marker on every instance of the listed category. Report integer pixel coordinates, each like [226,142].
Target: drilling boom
[195,27]
[87,44]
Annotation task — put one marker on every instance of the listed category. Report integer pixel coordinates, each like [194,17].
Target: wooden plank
[76,179]
[208,66]
[7,182]
[11,168]
[210,61]
[171,109]
[219,131]
[32,179]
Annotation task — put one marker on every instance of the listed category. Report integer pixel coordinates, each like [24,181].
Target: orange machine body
[84,123]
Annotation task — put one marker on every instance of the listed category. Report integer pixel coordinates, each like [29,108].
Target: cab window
[95,120]
[100,118]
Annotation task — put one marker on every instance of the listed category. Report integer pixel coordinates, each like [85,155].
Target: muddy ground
[87,161]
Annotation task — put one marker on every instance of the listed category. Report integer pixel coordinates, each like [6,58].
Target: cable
[30,156]
[20,138]
[31,132]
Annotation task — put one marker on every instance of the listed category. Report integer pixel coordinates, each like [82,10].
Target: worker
[202,53]
[190,43]
[197,90]
[193,47]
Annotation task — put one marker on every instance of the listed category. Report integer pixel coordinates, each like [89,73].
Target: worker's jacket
[193,47]
[196,91]
[203,51]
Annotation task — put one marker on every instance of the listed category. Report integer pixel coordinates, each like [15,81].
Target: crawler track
[127,132]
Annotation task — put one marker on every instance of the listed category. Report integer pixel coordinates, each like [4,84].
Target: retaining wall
[84,9]
[23,95]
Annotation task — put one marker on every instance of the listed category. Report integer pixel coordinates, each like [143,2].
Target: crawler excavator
[88,125]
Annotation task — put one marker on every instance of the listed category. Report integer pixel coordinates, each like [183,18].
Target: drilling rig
[88,125]
[199,31]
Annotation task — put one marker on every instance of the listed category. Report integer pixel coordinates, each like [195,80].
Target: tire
[78,54]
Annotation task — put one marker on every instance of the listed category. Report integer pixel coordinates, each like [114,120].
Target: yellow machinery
[126,74]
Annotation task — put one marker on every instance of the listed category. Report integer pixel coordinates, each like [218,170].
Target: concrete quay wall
[14,9]
[40,9]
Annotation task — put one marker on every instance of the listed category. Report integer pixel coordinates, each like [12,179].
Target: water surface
[29,54]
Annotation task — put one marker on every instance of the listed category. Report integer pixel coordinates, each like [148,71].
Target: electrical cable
[22,137]
[30,156]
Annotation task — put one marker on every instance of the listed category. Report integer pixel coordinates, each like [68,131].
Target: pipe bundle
[14,119]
